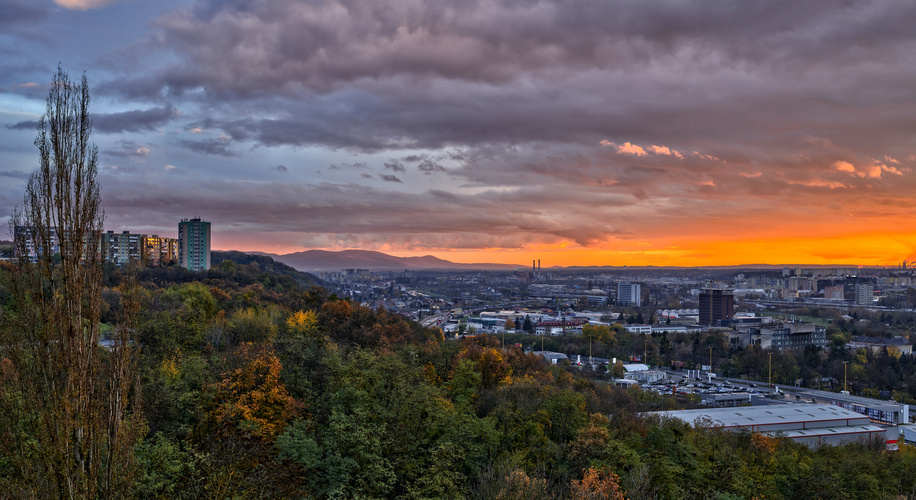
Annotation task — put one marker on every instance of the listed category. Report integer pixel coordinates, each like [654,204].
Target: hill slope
[323,260]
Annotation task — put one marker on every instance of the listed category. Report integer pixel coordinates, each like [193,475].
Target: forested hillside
[252,386]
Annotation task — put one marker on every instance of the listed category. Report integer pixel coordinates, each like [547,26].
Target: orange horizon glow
[863,249]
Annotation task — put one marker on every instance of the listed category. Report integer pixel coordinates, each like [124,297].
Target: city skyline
[620,133]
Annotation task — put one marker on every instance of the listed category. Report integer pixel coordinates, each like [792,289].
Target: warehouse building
[814,425]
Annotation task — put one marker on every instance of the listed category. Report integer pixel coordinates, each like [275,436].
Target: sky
[577,132]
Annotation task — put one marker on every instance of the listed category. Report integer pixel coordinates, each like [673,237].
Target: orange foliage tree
[252,396]
[597,484]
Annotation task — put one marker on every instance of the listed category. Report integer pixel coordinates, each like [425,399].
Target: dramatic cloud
[133,121]
[645,130]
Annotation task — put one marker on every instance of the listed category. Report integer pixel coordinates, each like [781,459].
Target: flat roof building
[814,425]
[194,244]
[717,305]
[629,294]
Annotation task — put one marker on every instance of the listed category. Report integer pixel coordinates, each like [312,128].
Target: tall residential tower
[194,244]
[629,294]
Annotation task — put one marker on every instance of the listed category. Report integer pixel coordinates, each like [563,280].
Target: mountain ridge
[326,260]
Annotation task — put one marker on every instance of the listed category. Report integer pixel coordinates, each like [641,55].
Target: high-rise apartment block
[629,294]
[717,306]
[194,244]
[122,248]
[160,251]
[865,294]
[29,241]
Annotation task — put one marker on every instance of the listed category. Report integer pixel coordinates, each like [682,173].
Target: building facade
[629,294]
[160,251]
[194,244]
[865,294]
[716,306]
[799,336]
[29,242]
[122,248]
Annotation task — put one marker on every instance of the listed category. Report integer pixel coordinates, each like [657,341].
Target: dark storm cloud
[280,168]
[259,46]
[711,75]
[24,125]
[133,121]
[216,146]
[390,178]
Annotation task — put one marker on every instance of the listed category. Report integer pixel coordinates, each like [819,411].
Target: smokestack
[539,265]
[533,267]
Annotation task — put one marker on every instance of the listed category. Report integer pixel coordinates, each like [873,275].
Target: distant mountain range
[323,260]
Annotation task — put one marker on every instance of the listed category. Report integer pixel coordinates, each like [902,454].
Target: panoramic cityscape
[461,249]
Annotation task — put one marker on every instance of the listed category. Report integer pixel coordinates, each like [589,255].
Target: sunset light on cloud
[625,133]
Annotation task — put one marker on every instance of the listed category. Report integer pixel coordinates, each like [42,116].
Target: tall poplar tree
[67,421]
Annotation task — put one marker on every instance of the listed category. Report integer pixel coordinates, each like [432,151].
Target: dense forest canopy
[254,387]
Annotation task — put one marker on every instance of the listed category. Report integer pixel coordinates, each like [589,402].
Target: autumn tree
[252,396]
[68,419]
[597,484]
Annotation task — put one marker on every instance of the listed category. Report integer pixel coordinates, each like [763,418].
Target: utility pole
[770,379]
[845,389]
[710,364]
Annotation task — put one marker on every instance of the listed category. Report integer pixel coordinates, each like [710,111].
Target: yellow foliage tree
[252,396]
[303,322]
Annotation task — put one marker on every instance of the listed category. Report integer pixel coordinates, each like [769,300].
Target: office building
[194,244]
[717,306]
[628,294]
